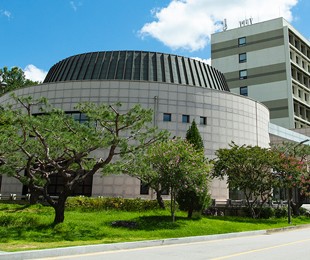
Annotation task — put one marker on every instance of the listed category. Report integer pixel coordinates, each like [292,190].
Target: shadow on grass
[151,223]
[50,233]
[18,232]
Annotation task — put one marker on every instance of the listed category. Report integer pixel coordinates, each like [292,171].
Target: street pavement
[287,243]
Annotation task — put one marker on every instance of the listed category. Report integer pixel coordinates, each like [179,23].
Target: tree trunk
[160,199]
[34,197]
[172,206]
[190,212]
[296,205]
[250,206]
[59,208]
[34,194]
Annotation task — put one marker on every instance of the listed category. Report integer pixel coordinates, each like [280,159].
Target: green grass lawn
[29,227]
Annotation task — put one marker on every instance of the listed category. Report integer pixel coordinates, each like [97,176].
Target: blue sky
[35,34]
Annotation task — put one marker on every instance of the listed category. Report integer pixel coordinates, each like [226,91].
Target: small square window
[185,118]
[165,192]
[244,91]
[243,74]
[242,57]
[242,41]
[144,189]
[203,120]
[167,117]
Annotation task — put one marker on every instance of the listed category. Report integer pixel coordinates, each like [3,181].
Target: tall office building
[269,62]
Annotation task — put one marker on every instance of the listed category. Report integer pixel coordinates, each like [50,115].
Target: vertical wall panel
[137,65]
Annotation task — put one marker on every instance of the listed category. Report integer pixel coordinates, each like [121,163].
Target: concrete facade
[221,117]
[269,62]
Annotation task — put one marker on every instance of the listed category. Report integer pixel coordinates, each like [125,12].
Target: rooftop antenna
[224,24]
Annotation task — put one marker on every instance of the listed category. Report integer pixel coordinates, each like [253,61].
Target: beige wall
[229,118]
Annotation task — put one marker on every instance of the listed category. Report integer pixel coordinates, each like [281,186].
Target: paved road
[293,244]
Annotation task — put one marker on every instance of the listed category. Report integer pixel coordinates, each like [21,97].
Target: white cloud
[74,5]
[35,74]
[6,13]
[188,24]
[207,61]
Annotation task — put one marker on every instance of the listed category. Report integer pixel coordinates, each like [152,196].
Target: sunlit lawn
[29,227]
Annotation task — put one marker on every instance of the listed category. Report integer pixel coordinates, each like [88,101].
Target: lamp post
[289,188]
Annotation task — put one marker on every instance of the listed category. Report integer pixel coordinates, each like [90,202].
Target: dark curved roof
[137,65]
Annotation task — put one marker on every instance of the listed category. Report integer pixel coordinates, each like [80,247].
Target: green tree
[293,172]
[173,165]
[14,79]
[190,198]
[141,168]
[249,169]
[193,136]
[53,144]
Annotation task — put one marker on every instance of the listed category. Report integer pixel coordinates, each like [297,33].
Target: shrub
[280,212]
[304,212]
[191,200]
[265,212]
[100,203]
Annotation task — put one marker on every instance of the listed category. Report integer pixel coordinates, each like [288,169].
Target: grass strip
[29,227]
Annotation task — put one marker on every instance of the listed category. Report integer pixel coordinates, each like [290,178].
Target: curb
[270,231]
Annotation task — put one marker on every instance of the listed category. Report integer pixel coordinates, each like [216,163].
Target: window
[57,184]
[185,118]
[243,74]
[203,120]
[144,189]
[244,91]
[241,41]
[242,57]
[167,117]
[79,117]
[165,192]
[299,77]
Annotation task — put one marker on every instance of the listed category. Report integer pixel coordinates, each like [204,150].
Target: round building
[178,89]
